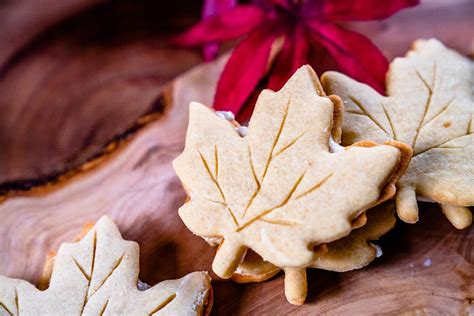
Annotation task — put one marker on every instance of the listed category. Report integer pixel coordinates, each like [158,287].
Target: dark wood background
[75,73]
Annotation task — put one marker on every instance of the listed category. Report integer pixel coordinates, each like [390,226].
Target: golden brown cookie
[349,253]
[286,186]
[429,106]
[98,276]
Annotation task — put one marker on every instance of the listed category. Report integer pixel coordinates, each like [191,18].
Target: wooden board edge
[56,179]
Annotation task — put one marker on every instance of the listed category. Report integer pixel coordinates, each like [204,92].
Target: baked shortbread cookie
[286,186]
[98,276]
[430,107]
[349,253]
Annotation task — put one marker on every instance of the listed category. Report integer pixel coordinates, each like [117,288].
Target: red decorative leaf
[293,55]
[212,8]
[246,111]
[247,65]
[355,54]
[362,10]
[228,25]
[309,34]
[320,59]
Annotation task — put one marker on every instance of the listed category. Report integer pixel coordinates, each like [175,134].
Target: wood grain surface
[64,97]
[425,268]
[82,82]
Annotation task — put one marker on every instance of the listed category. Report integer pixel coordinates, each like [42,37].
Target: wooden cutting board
[427,268]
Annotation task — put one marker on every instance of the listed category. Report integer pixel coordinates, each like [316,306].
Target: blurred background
[74,73]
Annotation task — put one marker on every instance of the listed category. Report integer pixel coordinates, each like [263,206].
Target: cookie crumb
[447,124]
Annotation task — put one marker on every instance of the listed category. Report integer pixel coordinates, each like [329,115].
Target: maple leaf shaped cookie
[430,107]
[352,252]
[98,276]
[280,190]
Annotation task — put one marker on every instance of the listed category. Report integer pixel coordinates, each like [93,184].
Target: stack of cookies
[308,184]
[290,193]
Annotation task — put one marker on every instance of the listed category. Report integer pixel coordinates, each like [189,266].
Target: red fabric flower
[310,36]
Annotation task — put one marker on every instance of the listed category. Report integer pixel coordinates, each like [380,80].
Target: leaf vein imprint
[6,308]
[206,166]
[115,267]
[315,187]
[17,305]
[279,222]
[103,308]
[433,147]
[366,113]
[257,182]
[266,212]
[94,250]
[269,160]
[427,103]
[277,138]
[392,127]
[444,109]
[287,146]
[81,269]
[163,304]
